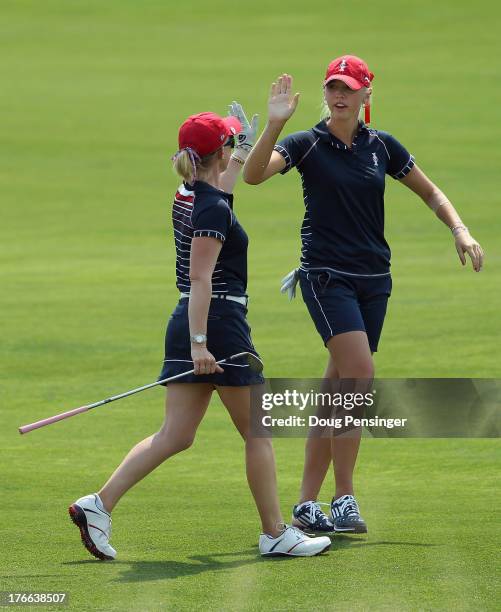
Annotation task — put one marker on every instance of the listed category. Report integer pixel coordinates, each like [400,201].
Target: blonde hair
[325,112]
[187,162]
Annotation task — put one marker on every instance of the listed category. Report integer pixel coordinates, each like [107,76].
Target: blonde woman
[345,260]
[208,324]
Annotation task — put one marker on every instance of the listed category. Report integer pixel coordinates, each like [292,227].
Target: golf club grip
[58,417]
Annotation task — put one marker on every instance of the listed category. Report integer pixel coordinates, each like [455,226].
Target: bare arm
[228,178]
[419,183]
[263,162]
[203,258]
[244,142]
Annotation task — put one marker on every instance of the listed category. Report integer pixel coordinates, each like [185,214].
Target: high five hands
[247,137]
[281,103]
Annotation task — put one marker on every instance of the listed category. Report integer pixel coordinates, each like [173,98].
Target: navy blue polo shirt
[343,189]
[203,210]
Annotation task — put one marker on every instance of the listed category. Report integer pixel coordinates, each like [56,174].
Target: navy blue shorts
[228,333]
[339,303]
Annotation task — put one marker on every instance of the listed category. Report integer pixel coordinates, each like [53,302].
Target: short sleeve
[292,148]
[400,161]
[213,221]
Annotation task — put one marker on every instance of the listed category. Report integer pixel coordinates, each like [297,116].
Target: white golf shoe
[292,543]
[94,523]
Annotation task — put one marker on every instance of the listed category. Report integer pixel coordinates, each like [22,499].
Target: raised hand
[282,104]
[247,137]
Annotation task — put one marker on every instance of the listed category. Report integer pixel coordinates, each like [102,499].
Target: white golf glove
[247,137]
[289,283]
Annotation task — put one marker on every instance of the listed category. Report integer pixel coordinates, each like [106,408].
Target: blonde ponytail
[185,164]
[187,161]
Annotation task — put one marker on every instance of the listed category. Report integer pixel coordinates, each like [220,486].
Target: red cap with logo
[205,133]
[351,70]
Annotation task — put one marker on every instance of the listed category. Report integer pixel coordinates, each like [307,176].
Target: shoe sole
[309,531]
[78,517]
[351,530]
[282,554]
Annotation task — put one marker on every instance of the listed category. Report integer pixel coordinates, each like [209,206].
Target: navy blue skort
[338,303]
[228,333]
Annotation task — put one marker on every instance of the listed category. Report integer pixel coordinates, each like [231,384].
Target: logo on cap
[351,70]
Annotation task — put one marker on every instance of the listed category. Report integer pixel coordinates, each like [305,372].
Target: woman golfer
[344,272]
[208,324]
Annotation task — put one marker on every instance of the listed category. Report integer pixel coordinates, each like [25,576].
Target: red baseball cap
[351,70]
[207,132]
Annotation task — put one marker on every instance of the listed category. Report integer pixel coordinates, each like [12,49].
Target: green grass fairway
[92,96]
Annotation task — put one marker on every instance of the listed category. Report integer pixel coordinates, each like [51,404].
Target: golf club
[253,362]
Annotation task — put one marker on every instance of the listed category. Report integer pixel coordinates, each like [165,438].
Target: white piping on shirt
[342,272]
[234,365]
[185,224]
[383,145]
[182,204]
[182,234]
[403,171]
[307,152]
[178,212]
[320,305]
[208,233]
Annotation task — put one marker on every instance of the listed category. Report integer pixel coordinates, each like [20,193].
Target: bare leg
[317,455]
[185,407]
[259,459]
[353,360]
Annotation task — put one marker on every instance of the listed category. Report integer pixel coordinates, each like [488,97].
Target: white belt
[233,298]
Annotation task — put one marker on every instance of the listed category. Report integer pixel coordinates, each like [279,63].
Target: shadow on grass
[345,541]
[143,571]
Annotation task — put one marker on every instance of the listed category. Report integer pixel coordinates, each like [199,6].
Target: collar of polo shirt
[202,186]
[322,131]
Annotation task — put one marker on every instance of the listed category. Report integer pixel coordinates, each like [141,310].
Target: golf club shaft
[64,415]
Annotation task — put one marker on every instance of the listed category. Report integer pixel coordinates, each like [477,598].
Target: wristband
[238,159]
[458,228]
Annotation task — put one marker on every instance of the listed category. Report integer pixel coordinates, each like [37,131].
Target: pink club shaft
[253,362]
